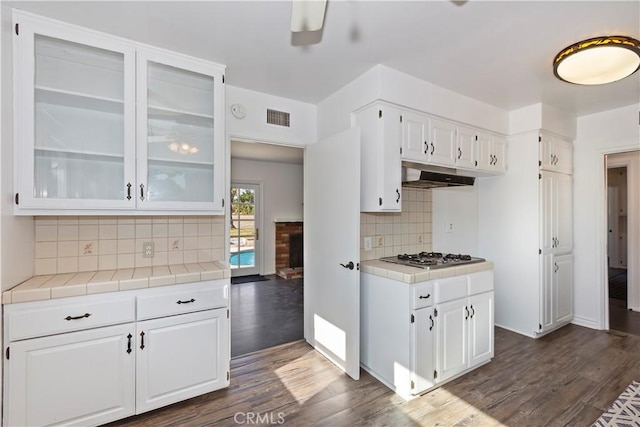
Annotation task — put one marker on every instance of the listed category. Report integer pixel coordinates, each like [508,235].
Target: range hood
[417,175]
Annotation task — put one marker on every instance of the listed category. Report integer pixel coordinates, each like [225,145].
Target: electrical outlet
[367,243]
[449,227]
[147,250]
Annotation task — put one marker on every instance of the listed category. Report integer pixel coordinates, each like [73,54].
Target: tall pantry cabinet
[526,228]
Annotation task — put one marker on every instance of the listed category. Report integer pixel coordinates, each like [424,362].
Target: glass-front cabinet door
[75,123]
[179,165]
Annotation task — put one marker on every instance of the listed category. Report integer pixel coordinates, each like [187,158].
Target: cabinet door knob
[350,265]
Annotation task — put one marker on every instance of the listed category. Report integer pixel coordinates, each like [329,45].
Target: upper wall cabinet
[81,95]
[556,154]
[440,142]
[381,174]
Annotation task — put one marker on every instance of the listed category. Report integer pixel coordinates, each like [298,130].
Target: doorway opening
[622,211]
[266,190]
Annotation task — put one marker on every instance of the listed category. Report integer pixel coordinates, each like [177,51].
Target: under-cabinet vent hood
[415,175]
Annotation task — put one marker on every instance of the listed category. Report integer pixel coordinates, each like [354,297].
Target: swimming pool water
[246,258]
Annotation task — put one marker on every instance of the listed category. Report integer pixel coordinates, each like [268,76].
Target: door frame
[258,222]
[601,248]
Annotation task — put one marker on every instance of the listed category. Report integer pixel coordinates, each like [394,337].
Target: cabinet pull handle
[77,317]
[129,343]
[424,297]
[348,265]
[555,268]
[466,309]
[398,196]
[185,302]
[473,311]
[142,192]
[128,191]
[433,148]
[432,322]
[426,147]
[141,340]
[459,153]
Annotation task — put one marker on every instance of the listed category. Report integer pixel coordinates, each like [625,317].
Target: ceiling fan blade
[307,15]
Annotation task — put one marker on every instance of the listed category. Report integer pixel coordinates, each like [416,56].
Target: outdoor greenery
[242,201]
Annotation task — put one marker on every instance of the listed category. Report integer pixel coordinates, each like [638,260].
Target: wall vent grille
[278,118]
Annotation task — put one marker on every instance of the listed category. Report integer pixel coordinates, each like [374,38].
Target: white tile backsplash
[74,244]
[396,233]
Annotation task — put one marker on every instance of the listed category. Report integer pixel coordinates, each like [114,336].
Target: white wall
[597,134]
[282,186]
[255,127]
[541,116]
[385,83]
[458,205]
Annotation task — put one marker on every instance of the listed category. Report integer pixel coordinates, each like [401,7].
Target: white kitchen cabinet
[415,132]
[556,212]
[556,291]
[380,168]
[464,323]
[179,357]
[491,151]
[466,147]
[535,206]
[76,117]
[429,140]
[415,337]
[78,378]
[93,359]
[556,154]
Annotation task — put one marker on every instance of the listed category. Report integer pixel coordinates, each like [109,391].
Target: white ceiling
[266,152]
[496,52]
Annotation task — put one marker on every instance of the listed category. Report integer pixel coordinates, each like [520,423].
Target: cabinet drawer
[450,288]
[480,282]
[422,295]
[48,318]
[182,301]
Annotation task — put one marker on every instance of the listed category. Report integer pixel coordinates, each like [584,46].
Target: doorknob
[349,265]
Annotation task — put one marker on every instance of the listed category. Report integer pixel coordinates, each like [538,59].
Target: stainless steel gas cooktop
[432,260]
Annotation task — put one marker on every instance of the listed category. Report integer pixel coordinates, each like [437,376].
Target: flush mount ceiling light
[598,60]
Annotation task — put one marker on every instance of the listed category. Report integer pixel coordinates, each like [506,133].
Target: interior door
[331,249]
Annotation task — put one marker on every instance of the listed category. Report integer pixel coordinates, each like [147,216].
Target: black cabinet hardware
[129,343]
[433,148]
[397,196]
[77,317]
[185,302]
[424,297]
[141,340]
[432,322]
[473,311]
[142,192]
[466,309]
[128,191]
[459,153]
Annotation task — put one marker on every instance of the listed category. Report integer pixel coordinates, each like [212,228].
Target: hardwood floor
[265,314]
[568,377]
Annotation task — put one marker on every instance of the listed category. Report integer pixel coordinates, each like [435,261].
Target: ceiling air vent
[279,118]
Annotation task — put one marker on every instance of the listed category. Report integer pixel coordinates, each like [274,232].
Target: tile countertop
[408,274]
[93,282]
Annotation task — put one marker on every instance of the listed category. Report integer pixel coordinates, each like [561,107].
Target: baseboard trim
[587,323]
[515,330]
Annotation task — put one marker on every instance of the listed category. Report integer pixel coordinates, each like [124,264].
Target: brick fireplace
[289,249]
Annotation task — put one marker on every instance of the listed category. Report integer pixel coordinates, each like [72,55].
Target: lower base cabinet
[182,357]
[415,337]
[79,378]
[94,375]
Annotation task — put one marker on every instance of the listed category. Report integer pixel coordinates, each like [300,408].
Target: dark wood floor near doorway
[265,313]
[568,377]
[620,318]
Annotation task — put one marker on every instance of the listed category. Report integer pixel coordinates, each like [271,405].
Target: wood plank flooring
[568,377]
[265,314]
